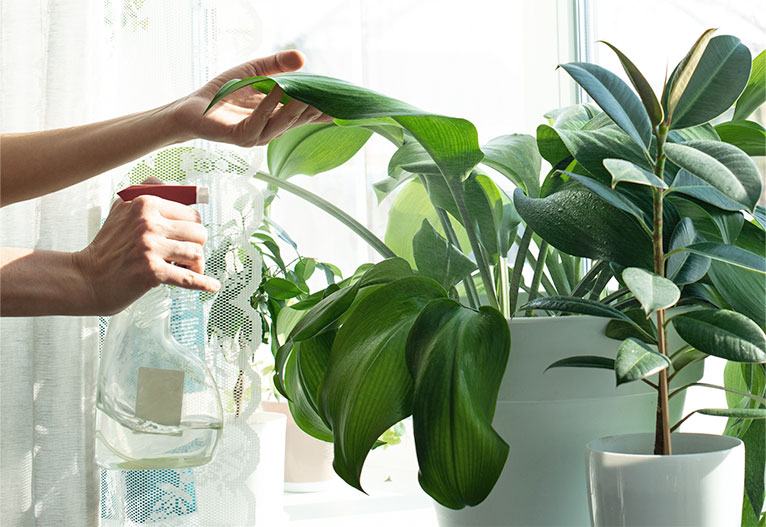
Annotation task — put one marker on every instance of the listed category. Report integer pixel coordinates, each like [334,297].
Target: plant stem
[505,300]
[518,267]
[534,288]
[486,277]
[449,232]
[662,444]
[364,233]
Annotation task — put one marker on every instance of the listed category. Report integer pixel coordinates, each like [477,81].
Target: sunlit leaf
[722,333]
[636,361]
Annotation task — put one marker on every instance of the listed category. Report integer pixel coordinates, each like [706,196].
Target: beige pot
[308,461]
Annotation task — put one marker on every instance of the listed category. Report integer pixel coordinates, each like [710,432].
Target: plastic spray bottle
[157,404]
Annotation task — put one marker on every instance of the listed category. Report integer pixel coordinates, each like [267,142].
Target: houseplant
[452,154]
[703,173]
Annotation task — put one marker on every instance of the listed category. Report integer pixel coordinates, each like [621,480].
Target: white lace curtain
[67,62]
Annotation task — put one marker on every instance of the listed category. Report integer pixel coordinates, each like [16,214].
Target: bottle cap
[203,195]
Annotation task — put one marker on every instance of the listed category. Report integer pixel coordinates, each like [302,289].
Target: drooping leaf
[730,254]
[411,158]
[755,90]
[748,136]
[690,185]
[626,172]
[457,357]
[743,290]
[653,291]
[383,126]
[517,158]
[584,361]
[724,166]
[635,361]
[716,82]
[579,223]
[615,98]
[642,86]
[684,267]
[437,259]
[722,333]
[620,330]
[367,387]
[313,149]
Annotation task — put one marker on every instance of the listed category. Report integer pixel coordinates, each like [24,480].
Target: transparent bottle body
[157,404]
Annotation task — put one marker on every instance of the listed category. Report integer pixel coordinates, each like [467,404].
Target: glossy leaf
[411,158]
[615,98]
[685,70]
[748,136]
[611,196]
[367,387]
[451,142]
[635,361]
[516,157]
[743,290]
[457,357]
[313,149]
[626,172]
[579,223]
[722,333]
[755,90]
[620,330]
[730,254]
[684,267]
[584,361]
[653,291]
[717,81]
[739,413]
[438,259]
[281,289]
[723,166]
[642,86]
[690,185]
[583,306]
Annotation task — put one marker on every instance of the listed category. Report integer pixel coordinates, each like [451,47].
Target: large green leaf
[572,117]
[748,136]
[642,86]
[730,254]
[611,196]
[685,69]
[584,361]
[451,142]
[724,166]
[411,158]
[367,387]
[517,158]
[722,333]
[620,330]
[436,258]
[626,172]
[635,361]
[684,267]
[690,185]
[739,413]
[457,357]
[743,290]
[652,291]
[615,98]
[313,149]
[579,223]
[755,90]
[717,81]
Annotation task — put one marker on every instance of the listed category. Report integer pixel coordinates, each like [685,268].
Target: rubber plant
[669,201]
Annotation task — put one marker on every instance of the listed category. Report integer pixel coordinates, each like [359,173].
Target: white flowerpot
[547,418]
[700,485]
[266,482]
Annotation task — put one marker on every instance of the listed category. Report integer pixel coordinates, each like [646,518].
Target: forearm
[35,283]
[34,164]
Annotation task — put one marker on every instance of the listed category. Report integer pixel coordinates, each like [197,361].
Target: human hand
[133,251]
[246,117]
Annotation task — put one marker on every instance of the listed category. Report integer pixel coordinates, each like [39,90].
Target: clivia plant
[433,342]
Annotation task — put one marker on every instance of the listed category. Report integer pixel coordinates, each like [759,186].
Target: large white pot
[700,485]
[548,418]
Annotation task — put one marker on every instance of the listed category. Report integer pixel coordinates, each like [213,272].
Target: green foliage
[723,333]
[636,361]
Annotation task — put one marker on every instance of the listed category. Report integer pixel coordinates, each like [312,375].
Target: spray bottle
[157,404]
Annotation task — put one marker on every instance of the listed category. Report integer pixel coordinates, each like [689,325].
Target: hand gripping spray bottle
[157,404]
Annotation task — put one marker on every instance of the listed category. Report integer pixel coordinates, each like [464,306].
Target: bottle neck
[153,307]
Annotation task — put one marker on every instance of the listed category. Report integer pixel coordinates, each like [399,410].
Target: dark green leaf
[636,361]
[584,361]
[724,166]
[516,157]
[722,333]
[730,254]
[411,158]
[436,258]
[716,82]
[457,357]
[690,185]
[685,69]
[615,98]
[748,136]
[653,291]
[684,267]
[281,289]
[611,196]
[755,90]
[743,290]
[648,98]
[620,330]
[625,171]
[368,388]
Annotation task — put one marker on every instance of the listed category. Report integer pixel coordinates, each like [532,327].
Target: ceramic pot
[700,485]
[547,418]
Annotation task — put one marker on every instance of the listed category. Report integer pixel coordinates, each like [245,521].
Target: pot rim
[547,318]
[717,444]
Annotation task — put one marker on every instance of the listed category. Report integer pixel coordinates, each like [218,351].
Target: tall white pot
[548,417]
[700,485]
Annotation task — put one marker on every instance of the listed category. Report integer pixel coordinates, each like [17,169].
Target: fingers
[284,119]
[283,61]
[168,209]
[186,278]
[186,254]
[249,130]
[184,231]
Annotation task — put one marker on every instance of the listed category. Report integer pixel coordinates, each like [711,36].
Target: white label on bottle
[160,395]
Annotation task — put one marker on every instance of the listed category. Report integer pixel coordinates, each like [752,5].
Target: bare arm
[34,164]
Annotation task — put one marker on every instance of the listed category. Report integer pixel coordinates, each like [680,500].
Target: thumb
[290,60]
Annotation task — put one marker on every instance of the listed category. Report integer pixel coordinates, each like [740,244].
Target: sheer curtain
[62,63]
